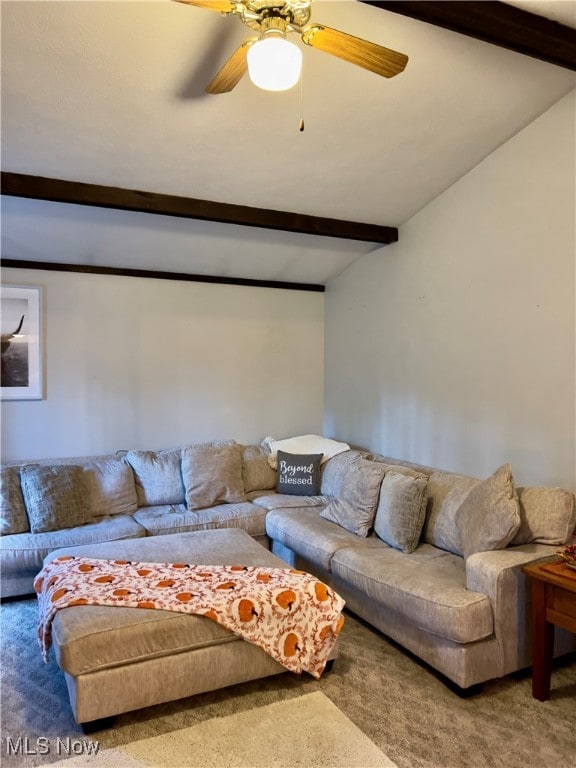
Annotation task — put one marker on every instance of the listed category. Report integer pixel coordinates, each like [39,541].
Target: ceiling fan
[273,62]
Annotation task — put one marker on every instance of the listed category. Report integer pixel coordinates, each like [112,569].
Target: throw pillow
[158,476]
[303,444]
[56,497]
[212,475]
[355,484]
[13,517]
[446,492]
[338,472]
[111,487]
[257,474]
[401,510]
[298,473]
[489,516]
[547,516]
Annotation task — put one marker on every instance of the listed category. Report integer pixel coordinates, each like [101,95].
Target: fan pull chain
[301,124]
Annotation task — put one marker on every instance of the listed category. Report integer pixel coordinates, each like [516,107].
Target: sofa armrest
[497,574]
[484,569]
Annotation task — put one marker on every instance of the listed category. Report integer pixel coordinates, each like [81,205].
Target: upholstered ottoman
[119,659]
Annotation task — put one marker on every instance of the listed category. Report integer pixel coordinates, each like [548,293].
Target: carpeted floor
[308,730]
[399,704]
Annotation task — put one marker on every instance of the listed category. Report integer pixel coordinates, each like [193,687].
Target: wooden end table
[553,604]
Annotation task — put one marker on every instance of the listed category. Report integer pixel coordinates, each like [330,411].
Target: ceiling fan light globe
[274,64]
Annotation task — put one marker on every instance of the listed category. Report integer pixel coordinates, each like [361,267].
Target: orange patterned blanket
[288,613]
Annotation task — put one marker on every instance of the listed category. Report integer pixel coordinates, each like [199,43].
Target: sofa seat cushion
[287,501]
[26,551]
[428,587]
[176,518]
[310,536]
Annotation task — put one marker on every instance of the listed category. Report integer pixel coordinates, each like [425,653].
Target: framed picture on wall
[21,354]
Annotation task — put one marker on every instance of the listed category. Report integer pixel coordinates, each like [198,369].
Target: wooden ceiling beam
[78,193]
[497,23]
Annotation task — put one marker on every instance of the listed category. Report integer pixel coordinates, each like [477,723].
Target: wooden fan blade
[370,56]
[221,6]
[233,71]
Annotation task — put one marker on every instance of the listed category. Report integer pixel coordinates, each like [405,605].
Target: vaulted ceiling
[112,93]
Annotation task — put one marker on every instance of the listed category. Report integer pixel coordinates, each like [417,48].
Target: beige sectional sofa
[131,495]
[430,558]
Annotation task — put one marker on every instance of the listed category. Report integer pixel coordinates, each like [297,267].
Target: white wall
[146,363]
[455,347]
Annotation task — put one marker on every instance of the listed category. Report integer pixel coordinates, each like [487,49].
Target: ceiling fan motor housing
[261,15]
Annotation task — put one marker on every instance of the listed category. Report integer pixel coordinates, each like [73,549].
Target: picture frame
[21,353]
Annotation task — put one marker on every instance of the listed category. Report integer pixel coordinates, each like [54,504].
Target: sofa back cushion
[401,510]
[111,487]
[489,516]
[547,516]
[158,476]
[13,518]
[257,474]
[469,515]
[56,497]
[212,474]
[446,492]
[404,468]
[354,483]
[338,473]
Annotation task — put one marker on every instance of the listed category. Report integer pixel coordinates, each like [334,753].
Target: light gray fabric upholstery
[446,492]
[55,497]
[16,583]
[489,516]
[354,483]
[307,534]
[497,574]
[401,510]
[111,487]
[193,547]
[547,516]
[135,658]
[357,520]
[178,519]
[407,605]
[26,551]
[286,501]
[403,469]
[13,517]
[464,663]
[158,476]
[257,474]
[96,637]
[212,475]
[428,587]
[337,472]
[167,678]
